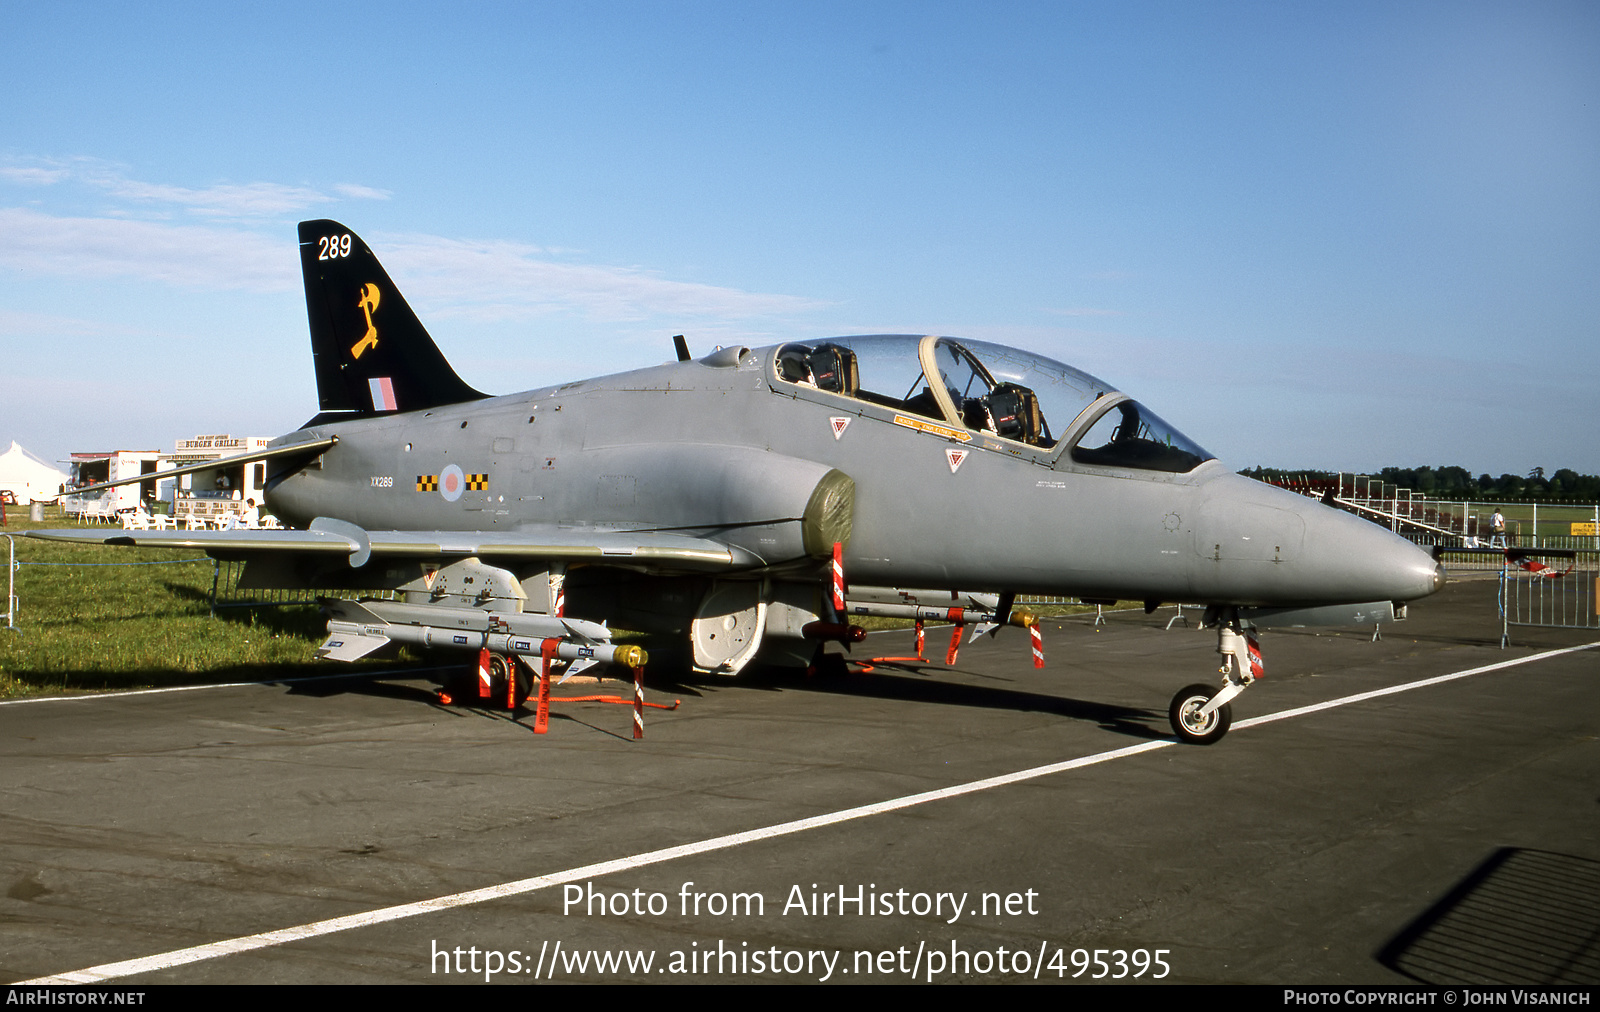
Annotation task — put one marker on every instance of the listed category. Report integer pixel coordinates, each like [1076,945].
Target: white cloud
[33,175]
[500,280]
[359,192]
[140,238]
[221,200]
[471,279]
[188,256]
[249,200]
[47,325]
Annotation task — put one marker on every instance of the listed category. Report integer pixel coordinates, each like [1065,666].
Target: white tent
[29,477]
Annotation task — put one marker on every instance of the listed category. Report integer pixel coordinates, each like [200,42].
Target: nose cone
[1275,548]
[1360,561]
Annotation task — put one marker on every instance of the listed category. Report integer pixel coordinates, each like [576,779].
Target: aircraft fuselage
[673,447]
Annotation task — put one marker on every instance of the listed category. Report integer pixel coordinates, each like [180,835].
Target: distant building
[29,478]
[213,493]
[91,468]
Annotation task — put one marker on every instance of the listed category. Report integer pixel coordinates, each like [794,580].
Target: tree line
[1458,483]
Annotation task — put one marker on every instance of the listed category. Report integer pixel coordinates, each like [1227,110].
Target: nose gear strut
[1200,714]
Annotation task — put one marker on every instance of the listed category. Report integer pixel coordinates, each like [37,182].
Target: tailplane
[372,355]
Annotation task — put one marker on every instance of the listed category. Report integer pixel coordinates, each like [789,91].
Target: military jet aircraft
[719,497]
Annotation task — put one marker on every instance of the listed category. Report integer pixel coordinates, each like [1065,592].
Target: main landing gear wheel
[501,668]
[1189,725]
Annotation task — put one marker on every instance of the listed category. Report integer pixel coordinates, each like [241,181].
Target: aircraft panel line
[268,939]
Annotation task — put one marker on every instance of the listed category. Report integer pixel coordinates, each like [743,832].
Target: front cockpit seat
[1009,411]
[833,368]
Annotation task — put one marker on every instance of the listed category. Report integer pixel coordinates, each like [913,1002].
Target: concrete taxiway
[1450,831]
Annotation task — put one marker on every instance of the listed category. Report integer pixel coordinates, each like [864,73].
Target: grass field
[1553,520]
[88,621]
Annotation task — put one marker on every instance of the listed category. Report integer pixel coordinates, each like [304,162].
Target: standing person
[1497,529]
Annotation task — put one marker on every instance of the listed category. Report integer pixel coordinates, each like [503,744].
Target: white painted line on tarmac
[1362,697]
[264,940]
[124,694]
[283,936]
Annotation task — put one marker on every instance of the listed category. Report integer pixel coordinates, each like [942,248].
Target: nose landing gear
[1200,714]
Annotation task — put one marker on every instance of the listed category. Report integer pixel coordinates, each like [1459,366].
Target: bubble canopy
[990,388]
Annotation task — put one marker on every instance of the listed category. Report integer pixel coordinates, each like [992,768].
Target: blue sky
[1331,235]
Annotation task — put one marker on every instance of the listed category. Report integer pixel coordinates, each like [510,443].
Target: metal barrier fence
[1571,601]
[11,583]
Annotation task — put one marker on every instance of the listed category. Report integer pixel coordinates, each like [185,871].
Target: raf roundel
[452,483]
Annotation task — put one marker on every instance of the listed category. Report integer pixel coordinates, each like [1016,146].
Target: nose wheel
[1190,721]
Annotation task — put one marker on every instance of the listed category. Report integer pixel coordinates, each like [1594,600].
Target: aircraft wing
[656,549]
[660,550]
[231,541]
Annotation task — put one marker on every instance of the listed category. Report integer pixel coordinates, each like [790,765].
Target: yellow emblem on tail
[369,305]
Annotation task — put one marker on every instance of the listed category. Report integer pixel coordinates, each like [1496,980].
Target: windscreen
[1131,435]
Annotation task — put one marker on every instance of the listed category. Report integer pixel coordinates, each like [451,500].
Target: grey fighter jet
[717,497]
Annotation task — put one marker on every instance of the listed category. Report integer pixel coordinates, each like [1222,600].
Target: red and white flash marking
[838,578]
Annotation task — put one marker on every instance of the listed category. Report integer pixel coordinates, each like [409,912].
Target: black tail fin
[372,354]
